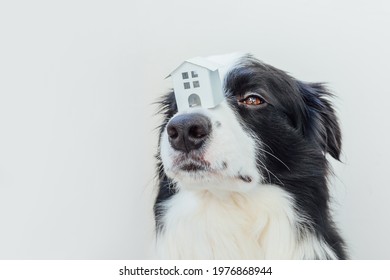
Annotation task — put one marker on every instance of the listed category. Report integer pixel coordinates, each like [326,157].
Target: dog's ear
[320,121]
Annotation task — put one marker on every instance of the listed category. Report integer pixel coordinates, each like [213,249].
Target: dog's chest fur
[260,224]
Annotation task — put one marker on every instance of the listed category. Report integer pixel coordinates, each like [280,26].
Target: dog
[248,178]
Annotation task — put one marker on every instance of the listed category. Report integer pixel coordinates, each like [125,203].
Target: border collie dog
[248,178]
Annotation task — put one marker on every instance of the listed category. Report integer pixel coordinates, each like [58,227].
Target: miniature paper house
[197,82]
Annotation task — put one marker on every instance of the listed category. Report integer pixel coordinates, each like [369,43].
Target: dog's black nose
[188,132]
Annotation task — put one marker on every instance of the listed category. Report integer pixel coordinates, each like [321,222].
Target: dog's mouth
[192,167]
[191,163]
[197,167]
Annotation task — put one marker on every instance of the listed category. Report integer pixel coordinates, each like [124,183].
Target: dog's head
[271,128]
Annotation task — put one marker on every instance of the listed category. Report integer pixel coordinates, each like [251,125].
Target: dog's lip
[191,163]
[192,167]
[197,165]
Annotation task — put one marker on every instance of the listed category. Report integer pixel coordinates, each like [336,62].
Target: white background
[77,123]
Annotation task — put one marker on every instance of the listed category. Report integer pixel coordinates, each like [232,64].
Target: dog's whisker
[275,157]
[270,173]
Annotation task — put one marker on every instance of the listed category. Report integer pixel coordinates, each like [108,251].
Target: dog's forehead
[248,72]
[239,69]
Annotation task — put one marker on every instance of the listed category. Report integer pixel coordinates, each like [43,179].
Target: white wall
[77,137]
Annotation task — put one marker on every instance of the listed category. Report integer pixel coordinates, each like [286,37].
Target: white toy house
[196,82]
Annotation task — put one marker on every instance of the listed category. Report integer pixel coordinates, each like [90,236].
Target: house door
[194,100]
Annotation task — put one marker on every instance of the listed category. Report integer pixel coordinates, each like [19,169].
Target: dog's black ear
[320,120]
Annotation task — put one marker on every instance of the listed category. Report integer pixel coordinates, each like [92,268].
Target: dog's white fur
[261,222]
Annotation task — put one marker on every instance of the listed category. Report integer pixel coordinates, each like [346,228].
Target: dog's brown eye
[252,100]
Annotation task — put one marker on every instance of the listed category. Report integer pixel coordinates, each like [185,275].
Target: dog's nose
[188,132]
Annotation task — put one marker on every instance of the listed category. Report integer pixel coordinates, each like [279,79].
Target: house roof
[200,61]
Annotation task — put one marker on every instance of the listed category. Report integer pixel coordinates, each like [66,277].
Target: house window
[184,75]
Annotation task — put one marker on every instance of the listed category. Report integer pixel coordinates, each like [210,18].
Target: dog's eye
[252,100]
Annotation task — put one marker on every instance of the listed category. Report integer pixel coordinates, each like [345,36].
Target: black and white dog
[248,178]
